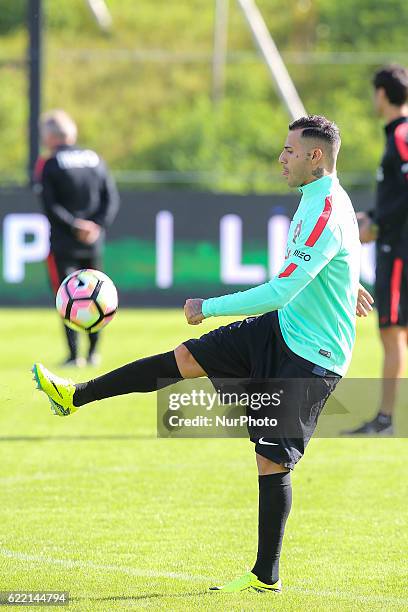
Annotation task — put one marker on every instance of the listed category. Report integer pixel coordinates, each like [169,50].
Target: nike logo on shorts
[262,441]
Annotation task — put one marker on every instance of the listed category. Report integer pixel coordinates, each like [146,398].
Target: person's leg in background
[391,299]
[58,269]
[93,357]
[394,341]
[393,334]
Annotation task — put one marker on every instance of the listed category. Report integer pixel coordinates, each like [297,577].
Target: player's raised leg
[141,376]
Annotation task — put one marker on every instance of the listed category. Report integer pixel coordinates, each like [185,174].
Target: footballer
[304,335]
[387,224]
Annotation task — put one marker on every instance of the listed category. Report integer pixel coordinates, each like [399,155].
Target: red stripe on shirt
[38,168]
[53,272]
[288,271]
[401,140]
[320,223]
[396,277]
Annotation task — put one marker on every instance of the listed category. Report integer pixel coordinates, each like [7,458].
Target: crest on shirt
[297,231]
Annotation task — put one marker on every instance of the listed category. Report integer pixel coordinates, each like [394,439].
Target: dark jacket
[391,212]
[75,184]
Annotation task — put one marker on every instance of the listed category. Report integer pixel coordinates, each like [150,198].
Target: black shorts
[254,349]
[391,290]
[60,266]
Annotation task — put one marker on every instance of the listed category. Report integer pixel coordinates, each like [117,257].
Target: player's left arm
[307,254]
[364,302]
[55,212]
[109,199]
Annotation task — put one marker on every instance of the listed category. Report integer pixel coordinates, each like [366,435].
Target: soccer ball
[87,300]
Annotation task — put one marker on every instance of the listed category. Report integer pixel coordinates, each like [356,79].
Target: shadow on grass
[138,597]
[79,438]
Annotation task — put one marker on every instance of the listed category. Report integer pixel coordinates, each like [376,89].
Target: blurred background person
[388,225]
[81,201]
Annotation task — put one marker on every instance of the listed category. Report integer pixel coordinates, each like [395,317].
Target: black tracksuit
[74,184]
[391,216]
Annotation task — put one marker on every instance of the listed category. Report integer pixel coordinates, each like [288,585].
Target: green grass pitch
[96,505]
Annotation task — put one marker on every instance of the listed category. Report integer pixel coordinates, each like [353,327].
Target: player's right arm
[194,314]
[109,200]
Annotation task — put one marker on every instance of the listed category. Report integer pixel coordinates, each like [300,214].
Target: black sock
[93,341]
[72,340]
[383,419]
[275,501]
[139,376]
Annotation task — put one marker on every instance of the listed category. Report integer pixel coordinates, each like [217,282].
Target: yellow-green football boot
[60,391]
[249,582]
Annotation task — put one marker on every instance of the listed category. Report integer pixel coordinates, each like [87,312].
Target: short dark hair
[317,126]
[394,80]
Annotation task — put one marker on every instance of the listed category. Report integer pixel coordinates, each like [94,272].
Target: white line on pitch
[121,569]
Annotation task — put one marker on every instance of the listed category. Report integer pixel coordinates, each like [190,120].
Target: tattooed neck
[318,173]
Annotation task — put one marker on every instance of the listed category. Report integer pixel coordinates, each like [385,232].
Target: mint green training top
[315,291]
